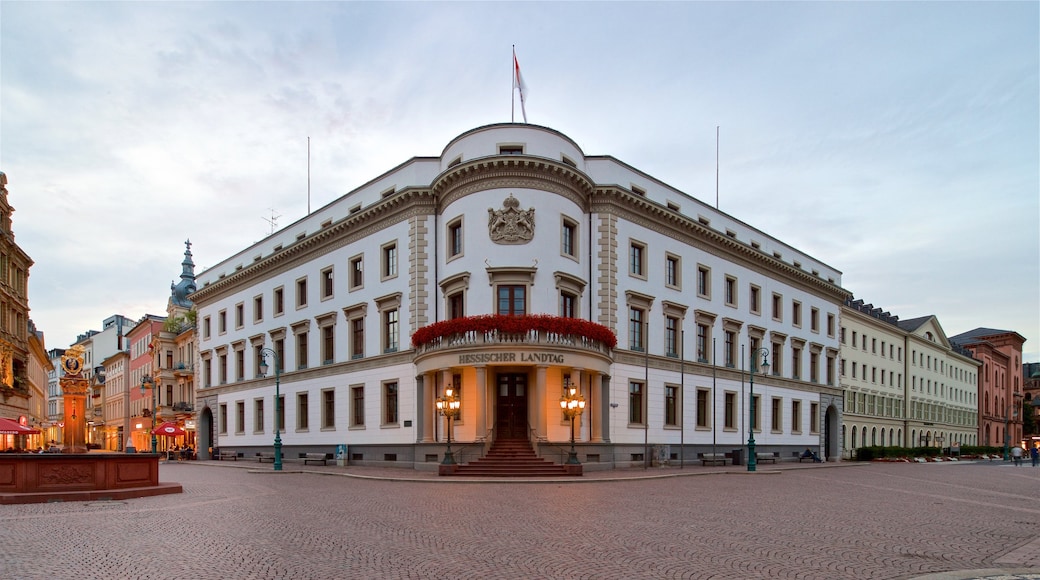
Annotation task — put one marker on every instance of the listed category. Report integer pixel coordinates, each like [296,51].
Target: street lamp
[277,401]
[1012,408]
[752,462]
[448,405]
[147,380]
[572,404]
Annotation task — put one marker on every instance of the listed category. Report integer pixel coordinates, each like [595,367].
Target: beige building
[15,391]
[905,384]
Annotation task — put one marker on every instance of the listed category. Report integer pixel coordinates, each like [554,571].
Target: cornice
[513,171]
[655,217]
[399,207]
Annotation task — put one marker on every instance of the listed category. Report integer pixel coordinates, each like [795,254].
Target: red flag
[518,83]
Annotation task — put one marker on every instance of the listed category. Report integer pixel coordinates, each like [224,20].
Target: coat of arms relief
[511,225]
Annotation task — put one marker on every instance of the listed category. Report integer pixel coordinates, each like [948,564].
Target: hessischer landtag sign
[511,357]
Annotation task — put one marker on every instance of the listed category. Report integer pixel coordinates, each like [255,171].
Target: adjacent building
[905,384]
[507,268]
[15,388]
[1000,383]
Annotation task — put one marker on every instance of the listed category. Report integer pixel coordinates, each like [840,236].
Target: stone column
[426,408]
[540,403]
[482,398]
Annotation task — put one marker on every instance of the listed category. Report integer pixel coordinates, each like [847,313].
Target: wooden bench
[713,459]
[315,457]
[760,457]
[265,456]
[225,455]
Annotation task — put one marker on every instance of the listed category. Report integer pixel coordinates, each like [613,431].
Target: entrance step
[511,458]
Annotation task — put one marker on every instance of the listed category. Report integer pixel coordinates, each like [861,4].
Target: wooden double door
[511,406]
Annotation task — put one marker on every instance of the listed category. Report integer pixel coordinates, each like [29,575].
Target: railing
[183,367]
[497,338]
[183,406]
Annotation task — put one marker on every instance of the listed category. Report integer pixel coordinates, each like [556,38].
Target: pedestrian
[1034,454]
[1016,456]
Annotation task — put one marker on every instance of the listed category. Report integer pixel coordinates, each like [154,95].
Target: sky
[898,142]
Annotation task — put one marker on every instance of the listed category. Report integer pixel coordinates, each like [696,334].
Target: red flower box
[515,325]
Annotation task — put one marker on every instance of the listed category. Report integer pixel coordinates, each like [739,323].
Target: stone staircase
[511,458]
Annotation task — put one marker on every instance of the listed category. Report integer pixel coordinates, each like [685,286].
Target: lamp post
[752,462]
[449,405]
[277,401]
[147,380]
[572,404]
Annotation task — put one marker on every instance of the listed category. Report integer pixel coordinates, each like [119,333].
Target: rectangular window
[222,361]
[635,329]
[814,319]
[279,301]
[777,359]
[390,403]
[672,272]
[391,331]
[390,260]
[814,363]
[755,297]
[731,291]
[240,315]
[703,410]
[796,313]
[777,416]
[569,238]
[326,283]
[731,411]
[512,300]
[357,406]
[302,412]
[258,415]
[240,416]
[830,325]
[357,273]
[568,303]
[279,419]
[702,343]
[240,365]
[704,282]
[222,321]
[301,351]
[671,405]
[796,363]
[328,344]
[301,293]
[258,308]
[223,418]
[671,336]
[637,259]
[796,416]
[455,238]
[756,415]
[328,409]
[456,308]
[814,419]
[635,403]
[279,348]
[205,327]
[778,307]
[207,373]
[731,348]
[357,338]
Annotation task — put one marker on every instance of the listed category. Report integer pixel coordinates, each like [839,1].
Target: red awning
[168,430]
[11,427]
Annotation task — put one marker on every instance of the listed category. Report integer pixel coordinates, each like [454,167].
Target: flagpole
[512,90]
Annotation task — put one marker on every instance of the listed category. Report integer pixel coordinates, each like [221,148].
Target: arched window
[882,436]
[873,437]
[854,437]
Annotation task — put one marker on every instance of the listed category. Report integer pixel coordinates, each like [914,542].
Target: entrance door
[511,407]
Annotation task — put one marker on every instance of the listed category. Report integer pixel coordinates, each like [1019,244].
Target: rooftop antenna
[308,175]
[274,219]
[716,167]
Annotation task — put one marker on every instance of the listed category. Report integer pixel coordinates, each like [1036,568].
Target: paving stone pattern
[849,521]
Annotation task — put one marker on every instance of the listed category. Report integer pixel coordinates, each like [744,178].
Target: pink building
[1001,388]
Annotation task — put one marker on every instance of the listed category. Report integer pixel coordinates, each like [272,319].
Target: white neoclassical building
[504,268]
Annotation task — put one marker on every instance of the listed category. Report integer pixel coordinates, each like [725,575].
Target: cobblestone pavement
[949,520]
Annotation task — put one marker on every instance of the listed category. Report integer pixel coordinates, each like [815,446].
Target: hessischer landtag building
[516,270]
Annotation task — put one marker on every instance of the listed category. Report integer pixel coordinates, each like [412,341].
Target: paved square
[848,521]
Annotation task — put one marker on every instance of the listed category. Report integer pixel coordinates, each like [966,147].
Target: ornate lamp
[572,404]
[449,406]
[752,461]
